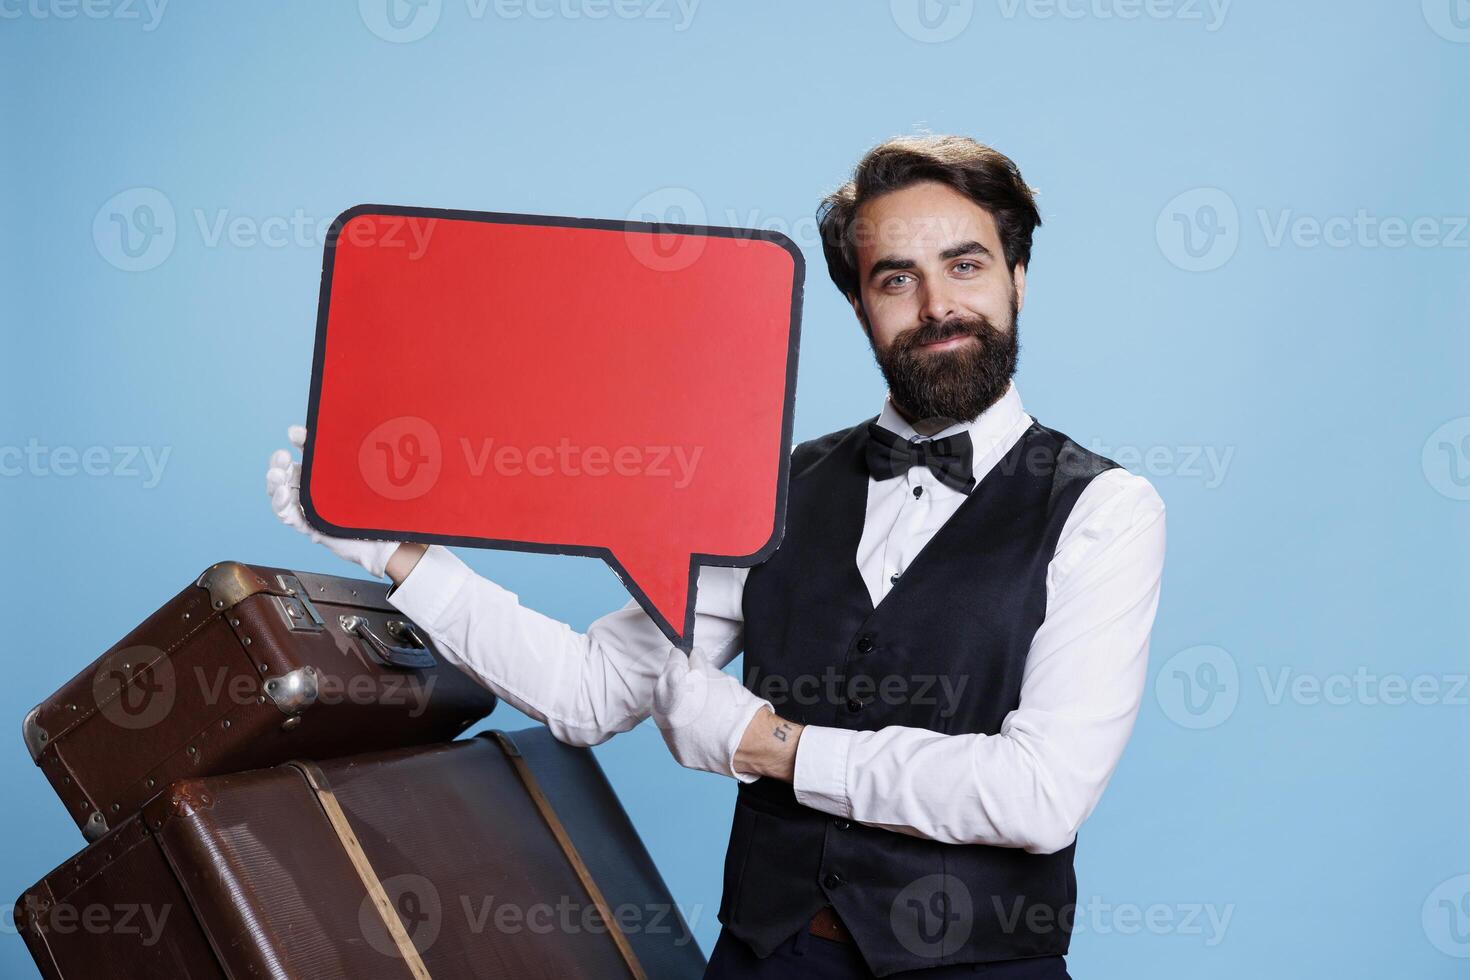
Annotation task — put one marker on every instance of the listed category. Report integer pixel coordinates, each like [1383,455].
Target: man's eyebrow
[964,248]
[893,263]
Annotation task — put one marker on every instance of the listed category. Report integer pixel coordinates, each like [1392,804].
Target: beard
[956,384]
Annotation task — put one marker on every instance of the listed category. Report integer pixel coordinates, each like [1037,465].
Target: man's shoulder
[806,454]
[1108,484]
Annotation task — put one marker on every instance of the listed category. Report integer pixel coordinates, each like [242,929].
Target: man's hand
[706,715]
[283,486]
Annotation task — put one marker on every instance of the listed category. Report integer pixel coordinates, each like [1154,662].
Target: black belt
[827,925]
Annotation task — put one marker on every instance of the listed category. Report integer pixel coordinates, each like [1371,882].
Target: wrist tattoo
[783,730]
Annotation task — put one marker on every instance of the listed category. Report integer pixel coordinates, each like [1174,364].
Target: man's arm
[586,687]
[768,747]
[1032,785]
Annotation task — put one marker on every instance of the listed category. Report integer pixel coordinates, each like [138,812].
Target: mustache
[929,333]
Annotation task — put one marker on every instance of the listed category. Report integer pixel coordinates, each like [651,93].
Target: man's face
[937,301]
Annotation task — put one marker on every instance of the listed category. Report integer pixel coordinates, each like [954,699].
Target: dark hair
[984,175]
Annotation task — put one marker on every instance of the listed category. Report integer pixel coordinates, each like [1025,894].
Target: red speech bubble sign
[576,386]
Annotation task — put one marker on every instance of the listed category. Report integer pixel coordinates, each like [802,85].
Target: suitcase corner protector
[229,583]
[95,828]
[36,737]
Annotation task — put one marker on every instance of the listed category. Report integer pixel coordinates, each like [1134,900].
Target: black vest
[945,651]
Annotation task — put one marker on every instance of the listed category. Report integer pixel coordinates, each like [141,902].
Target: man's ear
[857,309]
[1019,278]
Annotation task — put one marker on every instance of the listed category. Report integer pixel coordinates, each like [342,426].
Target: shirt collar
[992,433]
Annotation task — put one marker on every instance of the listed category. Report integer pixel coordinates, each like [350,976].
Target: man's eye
[895,280]
[962,266]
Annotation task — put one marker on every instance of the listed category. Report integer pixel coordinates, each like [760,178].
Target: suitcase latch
[297,609]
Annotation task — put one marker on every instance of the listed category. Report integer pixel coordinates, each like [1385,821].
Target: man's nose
[937,303]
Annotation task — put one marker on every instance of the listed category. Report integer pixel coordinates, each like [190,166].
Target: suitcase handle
[416,656]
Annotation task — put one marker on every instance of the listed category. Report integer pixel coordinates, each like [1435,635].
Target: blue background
[1326,379]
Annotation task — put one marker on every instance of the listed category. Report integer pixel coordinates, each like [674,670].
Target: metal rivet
[265,668]
[245,640]
[186,615]
[260,699]
[116,807]
[150,782]
[193,750]
[234,622]
[225,723]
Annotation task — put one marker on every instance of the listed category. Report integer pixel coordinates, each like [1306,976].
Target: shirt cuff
[737,733]
[426,592]
[820,780]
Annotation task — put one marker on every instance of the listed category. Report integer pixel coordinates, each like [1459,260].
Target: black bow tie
[950,459]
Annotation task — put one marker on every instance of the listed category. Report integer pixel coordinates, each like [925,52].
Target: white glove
[283,486]
[703,713]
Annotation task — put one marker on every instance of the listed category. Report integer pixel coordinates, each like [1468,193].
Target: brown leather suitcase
[453,861]
[248,666]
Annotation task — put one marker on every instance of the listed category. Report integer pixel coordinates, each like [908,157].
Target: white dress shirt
[1030,786]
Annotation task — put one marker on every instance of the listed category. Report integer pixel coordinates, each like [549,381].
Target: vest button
[832,881]
[854,705]
[841,824]
[865,643]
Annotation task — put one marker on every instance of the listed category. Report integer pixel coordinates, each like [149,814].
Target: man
[943,659]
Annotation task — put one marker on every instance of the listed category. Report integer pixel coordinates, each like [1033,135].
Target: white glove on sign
[283,486]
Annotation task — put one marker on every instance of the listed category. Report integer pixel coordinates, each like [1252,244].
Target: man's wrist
[768,747]
[404,560]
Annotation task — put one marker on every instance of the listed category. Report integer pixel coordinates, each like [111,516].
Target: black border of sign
[683,639]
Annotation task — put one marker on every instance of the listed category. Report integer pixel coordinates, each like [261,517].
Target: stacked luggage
[265,768]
